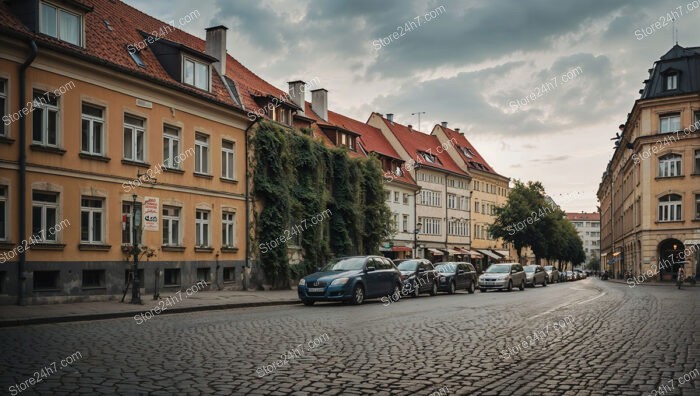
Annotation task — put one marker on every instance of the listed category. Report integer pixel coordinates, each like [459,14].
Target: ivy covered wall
[296,178]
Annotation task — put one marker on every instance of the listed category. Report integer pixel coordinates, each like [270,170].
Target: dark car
[453,276]
[351,279]
[419,276]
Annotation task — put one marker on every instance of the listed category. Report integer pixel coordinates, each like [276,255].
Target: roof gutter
[21,277]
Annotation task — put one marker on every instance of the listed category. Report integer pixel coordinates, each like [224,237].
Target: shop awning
[474,254]
[691,242]
[435,252]
[452,251]
[401,249]
[503,253]
[489,254]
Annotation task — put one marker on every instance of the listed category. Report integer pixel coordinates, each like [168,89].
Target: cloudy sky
[476,64]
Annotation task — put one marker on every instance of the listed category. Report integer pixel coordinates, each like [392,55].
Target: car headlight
[302,282]
[340,281]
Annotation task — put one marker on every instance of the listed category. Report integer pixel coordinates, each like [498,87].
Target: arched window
[670,207]
[670,165]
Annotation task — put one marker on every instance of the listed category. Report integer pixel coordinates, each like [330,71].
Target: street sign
[151,213]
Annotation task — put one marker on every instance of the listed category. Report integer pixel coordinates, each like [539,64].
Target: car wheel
[308,303]
[522,285]
[510,285]
[433,291]
[453,288]
[471,288]
[358,295]
[416,290]
[544,282]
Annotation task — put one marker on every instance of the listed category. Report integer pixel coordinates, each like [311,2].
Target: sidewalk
[14,315]
[624,281]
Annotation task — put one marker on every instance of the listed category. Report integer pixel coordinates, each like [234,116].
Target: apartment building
[588,228]
[650,192]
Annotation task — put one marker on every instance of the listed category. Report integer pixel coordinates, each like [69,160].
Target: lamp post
[415,239]
[135,224]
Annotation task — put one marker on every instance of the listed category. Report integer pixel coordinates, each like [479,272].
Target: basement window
[46,280]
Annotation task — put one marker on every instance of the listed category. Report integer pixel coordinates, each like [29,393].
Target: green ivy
[295,178]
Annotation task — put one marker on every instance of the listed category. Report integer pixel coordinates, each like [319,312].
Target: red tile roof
[476,161]
[415,142]
[573,216]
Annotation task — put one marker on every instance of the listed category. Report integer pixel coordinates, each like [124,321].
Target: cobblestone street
[617,340]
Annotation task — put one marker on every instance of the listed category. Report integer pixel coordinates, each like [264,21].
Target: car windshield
[530,268]
[409,265]
[548,268]
[446,268]
[346,264]
[498,269]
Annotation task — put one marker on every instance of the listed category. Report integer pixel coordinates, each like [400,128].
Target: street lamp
[415,239]
[135,225]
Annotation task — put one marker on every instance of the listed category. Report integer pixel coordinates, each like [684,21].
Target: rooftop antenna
[675,32]
[418,114]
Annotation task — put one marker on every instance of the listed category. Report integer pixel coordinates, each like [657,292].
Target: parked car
[568,276]
[580,274]
[419,276]
[351,279]
[453,276]
[552,273]
[502,276]
[534,275]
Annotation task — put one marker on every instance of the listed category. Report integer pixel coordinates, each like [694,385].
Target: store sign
[151,213]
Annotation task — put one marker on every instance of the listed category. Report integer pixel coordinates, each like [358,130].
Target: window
[431,225]
[3,213]
[476,206]
[61,24]
[387,195]
[670,165]
[697,206]
[228,160]
[201,153]
[196,73]
[203,275]
[458,227]
[697,162]
[46,280]
[92,126]
[45,119]
[134,138]
[229,274]
[91,220]
[228,229]
[405,223]
[452,201]
[3,282]
[672,82]
[171,226]
[670,207]
[171,147]
[428,157]
[127,234]
[405,199]
[3,107]
[396,196]
[93,279]
[670,123]
[201,228]
[44,214]
[430,198]
[171,277]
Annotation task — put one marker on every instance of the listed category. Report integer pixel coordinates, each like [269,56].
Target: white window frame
[4,109]
[670,165]
[172,143]
[195,62]
[59,10]
[431,225]
[228,229]
[405,223]
[134,130]
[46,108]
[92,120]
[452,201]
[670,210]
[128,215]
[672,82]
[202,228]
[228,156]
[44,206]
[667,122]
[201,148]
[697,206]
[172,220]
[697,162]
[92,212]
[4,200]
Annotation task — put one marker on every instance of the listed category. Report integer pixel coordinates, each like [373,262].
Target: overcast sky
[474,65]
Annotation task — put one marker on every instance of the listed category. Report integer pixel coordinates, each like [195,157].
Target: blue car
[351,279]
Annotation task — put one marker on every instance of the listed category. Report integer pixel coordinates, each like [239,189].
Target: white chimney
[216,46]
[390,117]
[444,124]
[319,102]
[297,90]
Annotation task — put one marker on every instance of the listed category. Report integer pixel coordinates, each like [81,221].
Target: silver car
[502,276]
[552,273]
[535,275]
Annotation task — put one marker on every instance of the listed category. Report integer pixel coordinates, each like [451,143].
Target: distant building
[588,227]
[650,192]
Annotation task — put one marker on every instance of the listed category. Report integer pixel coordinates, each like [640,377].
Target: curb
[645,284]
[114,315]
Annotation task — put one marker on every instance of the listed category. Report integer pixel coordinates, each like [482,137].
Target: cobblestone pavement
[595,338]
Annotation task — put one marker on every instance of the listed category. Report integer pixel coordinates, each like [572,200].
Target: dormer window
[672,81]
[60,23]
[195,73]
[466,152]
[429,157]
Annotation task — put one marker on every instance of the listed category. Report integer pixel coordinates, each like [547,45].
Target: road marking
[591,299]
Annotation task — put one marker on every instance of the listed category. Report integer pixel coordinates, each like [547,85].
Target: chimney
[410,127]
[390,117]
[296,93]
[444,124]
[319,103]
[216,46]
[457,130]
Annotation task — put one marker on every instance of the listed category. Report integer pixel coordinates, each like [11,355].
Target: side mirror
[370,269]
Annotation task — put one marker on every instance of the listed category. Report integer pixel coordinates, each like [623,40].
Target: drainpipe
[21,278]
[246,281]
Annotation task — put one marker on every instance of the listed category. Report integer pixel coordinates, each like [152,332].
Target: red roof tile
[474,159]
[573,216]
